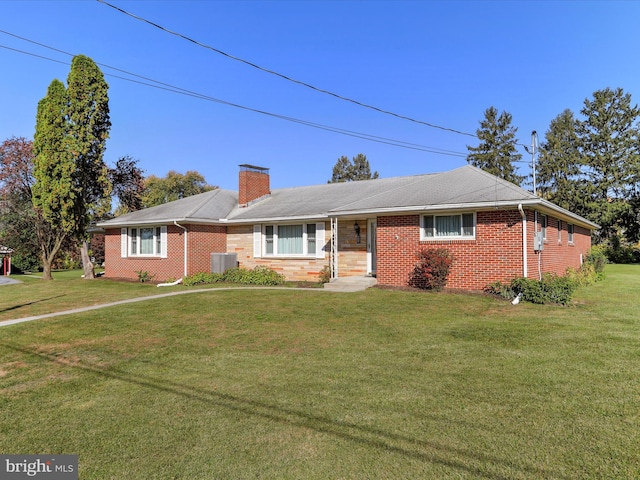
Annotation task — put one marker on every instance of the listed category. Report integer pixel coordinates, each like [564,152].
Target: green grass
[307,384]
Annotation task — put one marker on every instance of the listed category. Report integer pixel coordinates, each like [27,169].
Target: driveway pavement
[5,280]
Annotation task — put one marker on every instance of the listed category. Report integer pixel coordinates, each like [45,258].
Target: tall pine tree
[609,144]
[497,152]
[357,168]
[558,166]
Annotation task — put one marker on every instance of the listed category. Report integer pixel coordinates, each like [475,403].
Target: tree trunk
[87,265]
[46,267]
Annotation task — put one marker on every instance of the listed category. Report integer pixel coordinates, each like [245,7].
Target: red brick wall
[558,254]
[252,185]
[494,255]
[202,240]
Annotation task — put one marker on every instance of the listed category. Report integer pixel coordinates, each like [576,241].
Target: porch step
[350,284]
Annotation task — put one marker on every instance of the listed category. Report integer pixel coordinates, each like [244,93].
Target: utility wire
[174,89]
[290,79]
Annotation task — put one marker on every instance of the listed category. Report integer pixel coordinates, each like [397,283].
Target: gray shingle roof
[205,207]
[463,187]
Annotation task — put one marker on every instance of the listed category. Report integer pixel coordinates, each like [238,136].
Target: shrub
[618,251]
[597,257]
[551,289]
[260,275]
[432,269]
[202,278]
[500,289]
[325,275]
[24,262]
[144,276]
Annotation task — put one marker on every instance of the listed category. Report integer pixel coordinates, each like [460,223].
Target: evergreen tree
[608,139]
[558,166]
[346,170]
[496,153]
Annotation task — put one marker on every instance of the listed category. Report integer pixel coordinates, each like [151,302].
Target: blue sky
[440,62]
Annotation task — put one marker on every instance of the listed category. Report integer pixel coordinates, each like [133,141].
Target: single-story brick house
[372,227]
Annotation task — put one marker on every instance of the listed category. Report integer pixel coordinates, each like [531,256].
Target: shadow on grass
[372,437]
[16,307]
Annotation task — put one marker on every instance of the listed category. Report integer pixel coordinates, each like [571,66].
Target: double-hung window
[448,227]
[285,240]
[144,241]
[570,232]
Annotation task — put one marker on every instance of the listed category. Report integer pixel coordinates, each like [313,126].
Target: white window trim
[571,234]
[260,241]
[435,238]
[126,242]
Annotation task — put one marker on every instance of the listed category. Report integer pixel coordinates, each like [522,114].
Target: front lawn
[310,384]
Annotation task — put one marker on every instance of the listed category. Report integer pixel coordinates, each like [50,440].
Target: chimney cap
[254,168]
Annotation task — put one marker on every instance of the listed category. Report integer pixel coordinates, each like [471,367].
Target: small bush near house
[260,275]
[432,269]
[597,258]
[144,276]
[553,288]
[325,275]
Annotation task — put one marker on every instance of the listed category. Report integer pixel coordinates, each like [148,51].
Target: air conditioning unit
[221,262]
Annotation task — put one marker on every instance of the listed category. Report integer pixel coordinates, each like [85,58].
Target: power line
[174,89]
[285,77]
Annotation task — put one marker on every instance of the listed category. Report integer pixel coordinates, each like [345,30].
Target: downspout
[525,269]
[185,245]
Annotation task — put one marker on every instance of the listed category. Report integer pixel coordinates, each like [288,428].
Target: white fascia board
[165,221]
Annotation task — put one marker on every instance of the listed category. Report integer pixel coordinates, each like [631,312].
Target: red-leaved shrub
[432,269]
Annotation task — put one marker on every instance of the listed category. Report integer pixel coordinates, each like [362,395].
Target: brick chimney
[253,184]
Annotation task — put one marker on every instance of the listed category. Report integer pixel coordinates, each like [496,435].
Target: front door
[371,247]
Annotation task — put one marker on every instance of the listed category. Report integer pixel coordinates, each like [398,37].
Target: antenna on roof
[534,144]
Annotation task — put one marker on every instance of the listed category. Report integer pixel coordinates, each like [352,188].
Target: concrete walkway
[337,287]
[350,284]
[6,280]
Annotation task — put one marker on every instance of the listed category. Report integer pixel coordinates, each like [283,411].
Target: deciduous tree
[72,127]
[127,180]
[173,187]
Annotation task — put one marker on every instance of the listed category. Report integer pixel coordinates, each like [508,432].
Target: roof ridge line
[204,202]
[385,192]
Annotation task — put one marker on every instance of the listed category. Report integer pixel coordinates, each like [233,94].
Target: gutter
[525,268]
[185,245]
